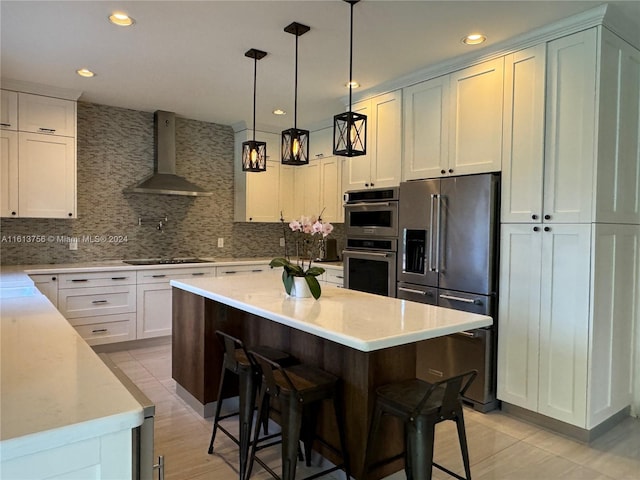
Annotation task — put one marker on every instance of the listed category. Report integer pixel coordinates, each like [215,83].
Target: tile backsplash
[115,151]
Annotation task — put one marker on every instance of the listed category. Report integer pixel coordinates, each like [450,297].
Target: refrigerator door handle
[431,229]
[438,224]
[467,334]
[461,299]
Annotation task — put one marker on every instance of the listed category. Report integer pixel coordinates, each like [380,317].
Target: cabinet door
[9,174]
[618,189]
[8,110]
[519,315]
[523,137]
[47,115]
[47,176]
[312,182]
[331,194]
[286,192]
[321,143]
[475,136]
[153,317]
[564,326]
[386,144]
[570,124]
[358,169]
[262,200]
[426,129]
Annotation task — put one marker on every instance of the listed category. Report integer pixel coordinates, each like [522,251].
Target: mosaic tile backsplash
[115,151]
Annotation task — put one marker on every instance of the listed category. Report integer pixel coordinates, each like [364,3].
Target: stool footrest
[446,470]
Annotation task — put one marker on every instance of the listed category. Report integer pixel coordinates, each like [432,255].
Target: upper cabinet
[39,160]
[381,166]
[321,143]
[453,123]
[590,163]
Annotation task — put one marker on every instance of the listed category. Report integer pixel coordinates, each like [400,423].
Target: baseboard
[563,428]
[132,344]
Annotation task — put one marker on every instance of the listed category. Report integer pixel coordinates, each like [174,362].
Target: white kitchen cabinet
[321,143]
[591,157]
[426,129]
[153,307]
[307,186]
[453,123]
[331,194]
[475,133]
[101,306]
[46,176]
[523,135]
[286,192]
[46,115]
[257,194]
[8,110]
[48,286]
[9,203]
[381,166]
[566,313]
[243,269]
[39,164]
[333,275]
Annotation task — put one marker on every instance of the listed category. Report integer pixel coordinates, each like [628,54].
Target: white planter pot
[300,288]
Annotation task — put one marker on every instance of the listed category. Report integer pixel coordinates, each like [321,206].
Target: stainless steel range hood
[164,180]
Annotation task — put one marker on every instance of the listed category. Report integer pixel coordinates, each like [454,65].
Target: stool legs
[462,437]
[216,417]
[419,436]
[291,425]
[247,402]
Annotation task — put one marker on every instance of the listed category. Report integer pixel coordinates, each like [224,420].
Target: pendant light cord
[255,70]
[350,55]
[295,100]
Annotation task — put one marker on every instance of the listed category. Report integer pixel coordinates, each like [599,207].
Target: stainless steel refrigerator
[448,257]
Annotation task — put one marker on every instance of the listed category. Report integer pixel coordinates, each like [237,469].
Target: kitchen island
[366,340]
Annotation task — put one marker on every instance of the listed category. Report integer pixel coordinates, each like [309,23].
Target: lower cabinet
[333,275]
[48,286]
[566,316]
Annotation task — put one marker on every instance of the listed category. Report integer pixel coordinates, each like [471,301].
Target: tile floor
[500,446]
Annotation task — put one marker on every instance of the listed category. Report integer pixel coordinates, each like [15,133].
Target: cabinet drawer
[97,279]
[334,276]
[167,274]
[106,328]
[52,116]
[92,301]
[242,269]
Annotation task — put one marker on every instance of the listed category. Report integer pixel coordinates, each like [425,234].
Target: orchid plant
[308,233]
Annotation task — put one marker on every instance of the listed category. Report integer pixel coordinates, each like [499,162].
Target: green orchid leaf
[280,262]
[315,271]
[314,286]
[287,280]
[294,270]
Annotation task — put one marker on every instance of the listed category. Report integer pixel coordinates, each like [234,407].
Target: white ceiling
[188,56]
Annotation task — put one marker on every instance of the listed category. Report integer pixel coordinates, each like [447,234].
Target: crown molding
[39,89]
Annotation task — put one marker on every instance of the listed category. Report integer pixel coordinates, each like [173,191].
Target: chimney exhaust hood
[164,180]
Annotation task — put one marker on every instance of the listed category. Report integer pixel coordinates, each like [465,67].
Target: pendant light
[350,128]
[254,154]
[295,142]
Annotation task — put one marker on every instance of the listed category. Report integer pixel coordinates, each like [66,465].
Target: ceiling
[188,56]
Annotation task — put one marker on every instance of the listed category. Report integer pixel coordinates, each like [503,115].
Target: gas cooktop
[165,261]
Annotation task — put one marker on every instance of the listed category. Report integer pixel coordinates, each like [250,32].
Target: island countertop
[351,318]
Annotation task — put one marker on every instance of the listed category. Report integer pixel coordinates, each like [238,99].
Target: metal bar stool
[300,390]
[421,406]
[236,360]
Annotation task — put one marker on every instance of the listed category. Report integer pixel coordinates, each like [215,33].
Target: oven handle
[461,299]
[368,204]
[371,254]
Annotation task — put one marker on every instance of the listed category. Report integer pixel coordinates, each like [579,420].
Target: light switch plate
[73,244]
[282,241]
[220,242]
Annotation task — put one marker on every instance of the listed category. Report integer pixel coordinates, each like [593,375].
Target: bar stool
[300,390]
[236,360]
[421,406]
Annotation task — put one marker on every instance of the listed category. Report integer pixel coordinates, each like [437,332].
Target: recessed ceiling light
[121,19]
[352,84]
[85,72]
[474,39]
[279,111]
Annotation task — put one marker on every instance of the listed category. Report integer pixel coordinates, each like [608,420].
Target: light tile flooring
[500,446]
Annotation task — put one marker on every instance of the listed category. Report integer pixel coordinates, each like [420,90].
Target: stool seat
[238,361]
[300,389]
[421,405]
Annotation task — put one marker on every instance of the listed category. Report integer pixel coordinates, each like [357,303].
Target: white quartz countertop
[355,319]
[54,389]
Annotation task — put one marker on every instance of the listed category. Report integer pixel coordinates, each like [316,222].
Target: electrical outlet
[220,242]
[73,244]
[282,241]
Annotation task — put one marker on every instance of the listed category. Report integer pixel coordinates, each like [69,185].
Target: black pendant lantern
[295,142]
[350,128]
[254,154]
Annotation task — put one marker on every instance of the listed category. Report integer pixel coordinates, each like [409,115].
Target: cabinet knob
[547,229]
[535,229]
[534,217]
[451,170]
[53,279]
[250,219]
[373,184]
[443,171]
[547,217]
[366,184]
[13,213]
[70,214]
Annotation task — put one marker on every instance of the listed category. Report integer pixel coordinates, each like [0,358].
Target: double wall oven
[370,255]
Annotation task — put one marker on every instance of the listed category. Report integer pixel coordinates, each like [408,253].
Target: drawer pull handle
[98,302]
[99,330]
[47,130]
[77,280]
[5,124]
[257,270]
[339,276]
[119,278]
[197,274]
[158,276]
[230,272]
